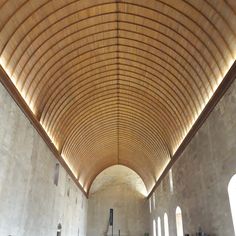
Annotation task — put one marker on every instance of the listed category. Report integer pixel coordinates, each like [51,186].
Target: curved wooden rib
[117,81]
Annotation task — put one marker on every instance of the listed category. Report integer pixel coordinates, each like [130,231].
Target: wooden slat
[105,76]
[219,93]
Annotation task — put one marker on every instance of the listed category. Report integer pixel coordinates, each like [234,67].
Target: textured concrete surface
[117,175]
[201,176]
[119,188]
[30,203]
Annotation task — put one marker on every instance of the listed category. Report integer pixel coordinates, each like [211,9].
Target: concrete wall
[201,176]
[119,188]
[30,203]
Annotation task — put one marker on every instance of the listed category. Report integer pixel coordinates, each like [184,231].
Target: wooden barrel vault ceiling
[117,82]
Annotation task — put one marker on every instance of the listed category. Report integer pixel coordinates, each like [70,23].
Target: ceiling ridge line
[118,82]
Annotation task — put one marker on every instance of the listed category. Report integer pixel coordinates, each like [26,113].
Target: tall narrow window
[171,181]
[166,225]
[179,222]
[150,204]
[154,228]
[154,201]
[56,174]
[82,202]
[232,199]
[68,188]
[159,226]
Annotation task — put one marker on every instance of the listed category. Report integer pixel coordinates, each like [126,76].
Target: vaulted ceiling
[117,82]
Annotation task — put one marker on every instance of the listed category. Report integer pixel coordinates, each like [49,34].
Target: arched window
[166,225]
[56,174]
[150,204]
[159,226]
[171,181]
[154,228]
[232,199]
[179,222]
[154,201]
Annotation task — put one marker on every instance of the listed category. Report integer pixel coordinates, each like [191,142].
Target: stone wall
[30,203]
[201,176]
[118,188]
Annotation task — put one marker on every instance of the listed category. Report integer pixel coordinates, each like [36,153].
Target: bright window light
[159,226]
[154,228]
[171,181]
[232,199]
[154,201]
[166,225]
[179,222]
[150,205]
